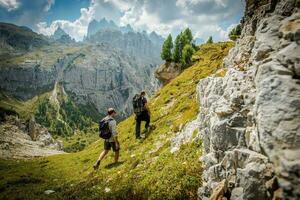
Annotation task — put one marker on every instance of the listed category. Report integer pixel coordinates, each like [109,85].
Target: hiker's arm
[147,107]
[115,133]
[116,141]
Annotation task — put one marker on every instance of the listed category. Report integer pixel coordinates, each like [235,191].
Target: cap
[111,110]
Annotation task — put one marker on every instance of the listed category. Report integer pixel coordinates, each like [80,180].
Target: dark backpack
[104,131]
[138,104]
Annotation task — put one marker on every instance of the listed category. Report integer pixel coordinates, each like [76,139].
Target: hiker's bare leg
[102,155]
[117,156]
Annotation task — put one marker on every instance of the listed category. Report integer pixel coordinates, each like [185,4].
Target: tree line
[181,50]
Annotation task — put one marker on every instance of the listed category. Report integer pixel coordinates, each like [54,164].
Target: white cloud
[48,5]
[10,5]
[204,17]
[76,29]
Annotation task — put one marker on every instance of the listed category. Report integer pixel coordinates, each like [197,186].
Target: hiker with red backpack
[108,132]
[142,113]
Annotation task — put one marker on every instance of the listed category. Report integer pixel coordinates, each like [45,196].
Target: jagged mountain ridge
[139,44]
[61,36]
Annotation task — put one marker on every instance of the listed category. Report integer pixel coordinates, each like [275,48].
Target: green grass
[24,109]
[147,170]
[45,56]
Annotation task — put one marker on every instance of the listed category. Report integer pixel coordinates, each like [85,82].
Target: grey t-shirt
[112,127]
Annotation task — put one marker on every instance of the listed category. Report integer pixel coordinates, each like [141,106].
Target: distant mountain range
[105,70]
[139,44]
[95,26]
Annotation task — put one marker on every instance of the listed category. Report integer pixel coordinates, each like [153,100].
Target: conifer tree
[187,53]
[166,53]
[177,49]
[210,40]
[188,35]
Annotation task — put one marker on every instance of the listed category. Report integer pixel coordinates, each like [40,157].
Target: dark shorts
[109,145]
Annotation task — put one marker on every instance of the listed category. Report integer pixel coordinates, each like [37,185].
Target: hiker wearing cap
[142,113]
[108,132]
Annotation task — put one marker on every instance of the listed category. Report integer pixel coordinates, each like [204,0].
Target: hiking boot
[96,165]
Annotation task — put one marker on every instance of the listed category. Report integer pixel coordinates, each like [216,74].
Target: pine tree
[177,49]
[210,40]
[187,53]
[188,35]
[166,53]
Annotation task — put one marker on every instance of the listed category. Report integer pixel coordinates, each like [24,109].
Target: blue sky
[204,17]
[66,10]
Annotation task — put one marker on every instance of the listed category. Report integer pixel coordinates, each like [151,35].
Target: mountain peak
[61,36]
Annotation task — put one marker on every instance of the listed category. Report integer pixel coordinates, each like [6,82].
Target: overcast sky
[204,17]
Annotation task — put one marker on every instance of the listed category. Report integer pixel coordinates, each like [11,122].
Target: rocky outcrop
[250,119]
[168,71]
[20,140]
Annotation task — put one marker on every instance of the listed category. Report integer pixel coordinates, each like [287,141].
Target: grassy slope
[46,56]
[46,114]
[147,169]
[24,109]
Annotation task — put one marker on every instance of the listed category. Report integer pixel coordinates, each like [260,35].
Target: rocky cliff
[106,77]
[250,118]
[94,76]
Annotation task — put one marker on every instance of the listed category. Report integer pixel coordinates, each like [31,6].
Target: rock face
[168,71]
[107,78]
[23,141]
[250,119]
[27,80]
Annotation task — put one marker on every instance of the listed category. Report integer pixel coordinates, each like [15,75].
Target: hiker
[142,113]
[108,132]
